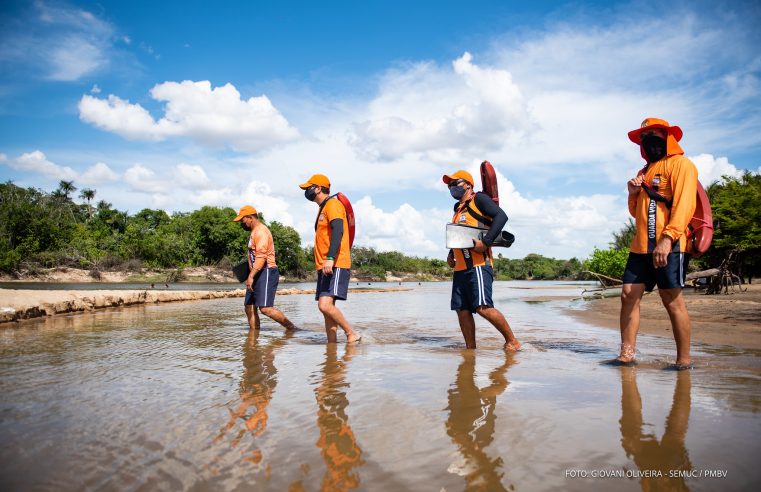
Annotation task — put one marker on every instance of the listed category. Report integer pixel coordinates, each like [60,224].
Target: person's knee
[484,310]
[267,310]
[325,305]
[630,297]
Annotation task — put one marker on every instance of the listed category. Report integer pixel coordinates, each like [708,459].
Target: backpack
[349,214]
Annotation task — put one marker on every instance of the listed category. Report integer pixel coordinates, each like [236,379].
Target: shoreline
[721,319]
[17,305]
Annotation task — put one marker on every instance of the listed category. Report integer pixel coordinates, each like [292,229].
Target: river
[179,396]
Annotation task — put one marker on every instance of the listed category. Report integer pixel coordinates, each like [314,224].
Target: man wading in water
[332,256]
[262,281]
[657,254]
[473,274]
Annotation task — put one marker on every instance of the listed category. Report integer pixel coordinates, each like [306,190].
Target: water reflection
[668,456]
[257,386]
[471,421]
[338,444]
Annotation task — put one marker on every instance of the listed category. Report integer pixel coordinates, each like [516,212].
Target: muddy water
[179,397]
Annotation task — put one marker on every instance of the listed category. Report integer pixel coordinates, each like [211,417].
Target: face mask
[310,194]
[244,226]
[457,192]
[654,148]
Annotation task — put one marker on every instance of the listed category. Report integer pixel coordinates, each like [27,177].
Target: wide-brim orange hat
[651,123]
[316,179]
[673,134]
[245,211]
[458,175]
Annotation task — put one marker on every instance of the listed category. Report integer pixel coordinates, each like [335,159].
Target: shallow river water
[178,396]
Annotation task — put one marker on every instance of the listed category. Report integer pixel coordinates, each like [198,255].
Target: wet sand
[24,304]
[722,319]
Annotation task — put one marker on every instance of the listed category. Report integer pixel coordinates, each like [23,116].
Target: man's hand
[250,281]
[634,185]
[479,246]
[661,252]
[327,267]
[450,259]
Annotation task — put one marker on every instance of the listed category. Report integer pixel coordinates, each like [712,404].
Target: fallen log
[704,273]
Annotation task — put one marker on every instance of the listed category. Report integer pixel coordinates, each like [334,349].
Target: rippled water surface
[178,396]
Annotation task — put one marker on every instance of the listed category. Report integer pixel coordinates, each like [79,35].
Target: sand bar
[721,319]
[21,304]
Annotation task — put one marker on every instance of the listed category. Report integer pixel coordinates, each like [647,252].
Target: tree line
[41,229]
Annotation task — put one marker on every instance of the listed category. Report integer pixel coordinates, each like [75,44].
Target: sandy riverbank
[22,304]
[732,319]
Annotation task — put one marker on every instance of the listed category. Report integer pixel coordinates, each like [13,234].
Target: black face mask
[457,192]
[244,226]
[310,194]
[654,148]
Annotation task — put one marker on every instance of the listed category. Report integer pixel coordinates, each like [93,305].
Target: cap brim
[635,135]
[446,179]
[306,185]
[236,219]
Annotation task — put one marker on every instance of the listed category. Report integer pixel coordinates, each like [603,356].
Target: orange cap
[649,124]
[244,211]
[458,175]
[316,179]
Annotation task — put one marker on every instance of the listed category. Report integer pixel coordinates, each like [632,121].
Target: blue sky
[177,105]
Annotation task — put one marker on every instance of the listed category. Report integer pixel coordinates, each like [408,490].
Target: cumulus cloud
[712,168]
[37,162]
[212,116]
[191,176]
[443,113]
[98,173]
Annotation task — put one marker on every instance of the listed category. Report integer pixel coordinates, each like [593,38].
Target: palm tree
[88,194]
[66,187]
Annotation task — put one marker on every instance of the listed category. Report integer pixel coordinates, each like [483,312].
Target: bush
[610,262]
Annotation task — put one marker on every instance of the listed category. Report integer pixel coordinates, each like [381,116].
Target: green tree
[610,262]
[622,240]
[288,248]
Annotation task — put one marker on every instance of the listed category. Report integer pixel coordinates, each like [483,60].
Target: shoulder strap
[479,217]
[322,205]
[656,196]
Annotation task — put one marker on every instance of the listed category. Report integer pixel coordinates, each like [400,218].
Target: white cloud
[37,162]
[95,89]
[712,168]
[58,42]
[212,116]
[98,173]
[445,114]
[191,176]
[144,180]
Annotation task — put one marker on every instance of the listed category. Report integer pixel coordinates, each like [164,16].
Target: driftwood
[703,274]
[726,279]
[605,283]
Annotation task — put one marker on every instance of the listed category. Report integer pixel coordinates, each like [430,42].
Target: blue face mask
[457,192]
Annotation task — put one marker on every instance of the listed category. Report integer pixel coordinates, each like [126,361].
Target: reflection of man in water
[471,423]
[256,390]
[649,454]
[337,443]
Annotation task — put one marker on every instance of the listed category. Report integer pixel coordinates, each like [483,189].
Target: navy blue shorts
[336,285]
[640,270]
[265,287]
[472,288]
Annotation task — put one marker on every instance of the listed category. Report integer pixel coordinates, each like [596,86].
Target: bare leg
[327,306]
[253,317]
[276,315]
[631,294]
[331,329]
[496,318]
[467,327]
[680,322]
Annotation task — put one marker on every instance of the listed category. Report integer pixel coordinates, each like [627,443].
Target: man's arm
[684,184]
[494,212]
[336,234]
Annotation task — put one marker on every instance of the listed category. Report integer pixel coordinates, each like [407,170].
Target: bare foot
[513,346]
[682,365]
[627,354]
[353,338]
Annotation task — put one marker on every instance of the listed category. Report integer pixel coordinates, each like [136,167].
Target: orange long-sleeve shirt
[676,178]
